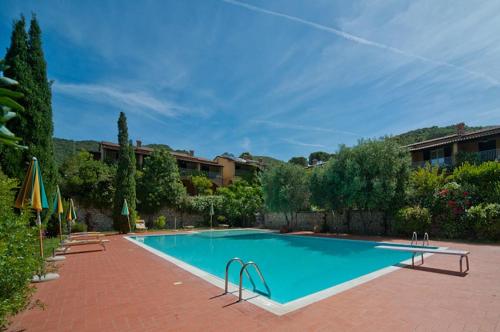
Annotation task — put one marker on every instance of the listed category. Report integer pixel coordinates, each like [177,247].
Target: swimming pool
[294,267]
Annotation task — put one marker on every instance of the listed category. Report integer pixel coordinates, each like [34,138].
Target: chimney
[191,153]
[138,143]
[460,128]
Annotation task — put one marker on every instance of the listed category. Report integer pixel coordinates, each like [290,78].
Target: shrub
[202,185]
[482,181]
[485,219]
[18,256]
[452,202]
[422,185]
[221,220]
[78,227]
[412,219]
[160,222]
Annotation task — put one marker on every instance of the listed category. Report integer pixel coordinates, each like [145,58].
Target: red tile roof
[178,155]
[440,141]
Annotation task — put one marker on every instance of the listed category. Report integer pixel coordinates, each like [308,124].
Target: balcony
[474,157]
[185,172]
[489,155]
[441,162]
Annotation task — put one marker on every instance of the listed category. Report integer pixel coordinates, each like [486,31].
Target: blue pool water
[293,266]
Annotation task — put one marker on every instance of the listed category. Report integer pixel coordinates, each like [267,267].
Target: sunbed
[140,225]
[68,244]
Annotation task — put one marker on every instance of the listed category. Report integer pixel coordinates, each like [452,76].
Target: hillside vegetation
[64,148]
[422,134]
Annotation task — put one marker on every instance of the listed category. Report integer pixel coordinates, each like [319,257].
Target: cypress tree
[13,161]
[41,144]
[27,65]
[125,178]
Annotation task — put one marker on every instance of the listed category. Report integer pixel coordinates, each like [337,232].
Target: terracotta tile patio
[126,288]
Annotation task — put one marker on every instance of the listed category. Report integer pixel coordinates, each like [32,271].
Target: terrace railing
[489,155]
[442,162]
[184,172]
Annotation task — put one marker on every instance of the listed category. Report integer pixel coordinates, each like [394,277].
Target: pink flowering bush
[451,204]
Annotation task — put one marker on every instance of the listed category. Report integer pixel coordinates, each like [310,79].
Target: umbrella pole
[39,222]
[60,227]
[129,227]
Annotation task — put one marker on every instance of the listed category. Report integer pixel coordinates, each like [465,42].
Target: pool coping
[259,300]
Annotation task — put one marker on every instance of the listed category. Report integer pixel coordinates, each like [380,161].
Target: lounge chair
[85,236]
[68,244]
[140,225]
[415,251]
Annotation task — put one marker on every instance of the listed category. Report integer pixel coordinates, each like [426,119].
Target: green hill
[63,148]
[268,161]
[422,134]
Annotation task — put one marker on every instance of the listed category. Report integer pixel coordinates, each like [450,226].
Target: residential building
[482,145]
[234,167]
[188,163]
[223,170]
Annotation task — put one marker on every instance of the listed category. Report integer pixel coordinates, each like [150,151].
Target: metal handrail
[414,238]
[243,268]
[234,259]
[425,240]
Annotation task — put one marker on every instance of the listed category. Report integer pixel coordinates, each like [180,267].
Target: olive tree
[286,190]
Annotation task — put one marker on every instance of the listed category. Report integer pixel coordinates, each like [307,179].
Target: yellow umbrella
[32,194]
[58,208]
[70,214]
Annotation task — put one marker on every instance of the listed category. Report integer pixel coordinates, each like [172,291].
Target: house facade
[234,167]
[187,163]
[222,171]
[481,145]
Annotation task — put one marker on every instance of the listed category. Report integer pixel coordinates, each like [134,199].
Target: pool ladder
[425,243]
[243,269]
[414,239]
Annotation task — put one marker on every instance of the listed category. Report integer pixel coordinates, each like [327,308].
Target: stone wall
[102,220]
[96,219]
[357,222]
[174,218]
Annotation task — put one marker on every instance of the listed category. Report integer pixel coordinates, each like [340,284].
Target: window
[437,156]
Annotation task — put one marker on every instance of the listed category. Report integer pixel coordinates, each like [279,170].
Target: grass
[49,244]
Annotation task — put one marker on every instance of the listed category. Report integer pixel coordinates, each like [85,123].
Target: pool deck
[126,288]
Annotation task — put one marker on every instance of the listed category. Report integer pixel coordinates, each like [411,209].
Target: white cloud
[363,41]
[284,125]
[301,143]
[134,101]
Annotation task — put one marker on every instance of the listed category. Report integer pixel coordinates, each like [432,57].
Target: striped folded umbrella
[126,212]
[70,214]
[32,194]
[58,208]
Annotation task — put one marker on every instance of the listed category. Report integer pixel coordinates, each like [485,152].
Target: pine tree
[27,65]
[125,178]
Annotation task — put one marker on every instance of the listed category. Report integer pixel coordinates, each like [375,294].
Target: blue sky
[280,78]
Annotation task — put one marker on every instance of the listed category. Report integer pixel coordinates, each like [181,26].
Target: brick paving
[127,288]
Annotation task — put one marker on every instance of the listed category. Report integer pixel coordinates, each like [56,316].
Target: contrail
[364,41]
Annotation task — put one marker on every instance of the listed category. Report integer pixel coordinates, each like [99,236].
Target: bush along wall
[462,205]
